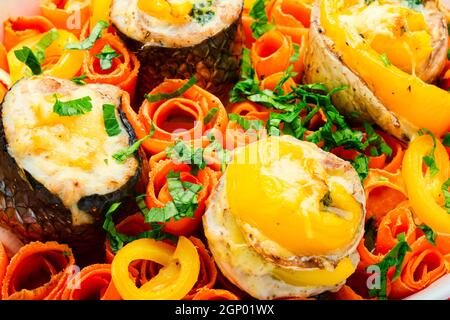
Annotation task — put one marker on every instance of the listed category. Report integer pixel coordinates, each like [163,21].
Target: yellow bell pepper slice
[343,270]
[176,13]
[58,62]
[100,11]
[422,104]
[174,280]
[424,191]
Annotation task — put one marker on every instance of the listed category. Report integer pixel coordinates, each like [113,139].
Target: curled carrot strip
[158,193]
[271,82]
[208,271]
[242,108]
[4,261]
[393,223]
[70,15]
[92,283]
[181,117]
[272,53]
[290,13]
[384,192]
[36,270]
[21,28]
[3,58]
[248,33]
[124,70]
[236,136]
[424,265]
[214,294]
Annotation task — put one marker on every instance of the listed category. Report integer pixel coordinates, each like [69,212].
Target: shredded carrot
[21,28]
[36,270]
[158,193]
[67,14]
[180,117]
[93,283]
[422,266]
[214,294]
[124,70]
[384,191]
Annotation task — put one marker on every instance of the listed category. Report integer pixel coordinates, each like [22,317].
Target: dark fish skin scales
[31,212]
[215,62]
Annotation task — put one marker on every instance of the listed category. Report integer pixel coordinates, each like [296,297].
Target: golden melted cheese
[70,155]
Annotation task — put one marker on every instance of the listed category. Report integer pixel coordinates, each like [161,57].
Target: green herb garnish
[446,194]
[165,96]
[80,80]
[393,258]
[430,159]
[361,165]
[203,12]
[106,57]
[375,140]
[27,56]
[45,42]
[261,23]
[294,58]
[109,118]
[446,140]
[89,42]
[71,108]
[182,152]
[429,233]
[385,59]
[245,123]
[123,155]
[210,115]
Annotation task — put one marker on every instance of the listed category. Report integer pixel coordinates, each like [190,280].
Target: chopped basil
[70,108]
[165,96]
[429,233]
[361,165]
[123,155]
[184,201]
[245,123]
[446,194]
[430,159]
[27,56]
[375,140]
[215,146]
[210,115]
[203,12]
[80,80]
[89,42]
[261,23]
[182,152]
[109,118]
[45,42]
[385,59]
[106,57]
[393,258]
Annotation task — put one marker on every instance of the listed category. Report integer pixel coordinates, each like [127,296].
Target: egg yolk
[176,12]
[393,30]
[281,188]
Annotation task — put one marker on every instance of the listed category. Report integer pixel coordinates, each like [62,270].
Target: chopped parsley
[393,258]
[261,23]
[210,115]
[245,123]
[89,42]
[123,155]
[185,153]
[27,56]
[165,96]
[109,118]
[80,80]
[430,159]
[45,42]
[106,57]
[385,59]
[378,145]
[203,12]
[430,234]
[294,58]
[361,165]
[74,107]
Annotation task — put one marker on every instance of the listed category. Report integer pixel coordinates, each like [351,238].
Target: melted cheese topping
[391,29]
[277,187]
[167,23]
[70,156]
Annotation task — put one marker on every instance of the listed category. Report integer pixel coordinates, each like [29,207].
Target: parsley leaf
[249,84]
[123,155]
[80,80]
[261,23]
[393,258]
[109,118]
[446,194]
[215,146]
[27,56]
[385,59]
[88,43]
[245,123]
[361,165]
[375,140]
[182,152]
[430,159]
[430,234]
[165,96]
[71,108]
[106,57]
[210,115]
[45,42]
